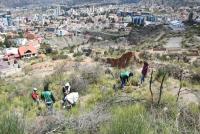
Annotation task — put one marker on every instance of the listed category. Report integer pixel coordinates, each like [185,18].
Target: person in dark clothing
[144,71]
[124,77]
[47,97]
[66,90]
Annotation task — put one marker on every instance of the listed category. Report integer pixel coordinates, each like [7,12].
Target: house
[27,51]
[61,32]
[10,54]
[34,43]
[176,25]
[20,41]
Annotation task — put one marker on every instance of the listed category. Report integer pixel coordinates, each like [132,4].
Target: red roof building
[27,51]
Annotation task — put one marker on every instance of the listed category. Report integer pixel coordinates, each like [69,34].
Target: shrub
[92,73]
[128,120]
[79,59]
[128,89]
[134,81]
[195,78]
[78,54]
[160,73]
[11,124]
[78,84]
[59,57]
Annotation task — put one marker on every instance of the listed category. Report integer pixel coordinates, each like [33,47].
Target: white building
[21,41]
[177,25]
[61,32]
[11,50]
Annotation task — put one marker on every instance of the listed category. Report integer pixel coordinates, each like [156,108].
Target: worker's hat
[67,84]
[34,89]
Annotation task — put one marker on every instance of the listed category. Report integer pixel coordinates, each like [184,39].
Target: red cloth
[35,96]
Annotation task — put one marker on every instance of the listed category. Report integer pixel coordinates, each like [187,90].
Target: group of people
[124,76]
[48,98]
[70,98]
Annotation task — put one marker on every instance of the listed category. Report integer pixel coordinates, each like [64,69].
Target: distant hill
[19,3]
[175,3]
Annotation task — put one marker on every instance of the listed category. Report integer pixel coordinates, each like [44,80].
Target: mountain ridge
[20,3]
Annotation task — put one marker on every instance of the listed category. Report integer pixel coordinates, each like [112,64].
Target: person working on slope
[66,90]
[35,96]
[124,76]
[144,71]
[47,97]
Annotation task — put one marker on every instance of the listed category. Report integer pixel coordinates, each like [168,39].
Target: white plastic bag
[72,97]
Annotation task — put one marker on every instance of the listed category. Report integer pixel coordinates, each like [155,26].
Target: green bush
[78,54]
[11,124]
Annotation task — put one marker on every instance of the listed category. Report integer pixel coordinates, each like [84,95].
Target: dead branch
[161,88]
[150,83]
[179,91]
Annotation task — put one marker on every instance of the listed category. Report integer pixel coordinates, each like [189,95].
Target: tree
[190,17]
[21,35]
[7,43]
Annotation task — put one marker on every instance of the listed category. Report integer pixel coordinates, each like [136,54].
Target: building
[138,20]
[61,32]
[10,54]
[27,51]
[21,41]
[57,11]
[7,20]
[176,25]
[151,18]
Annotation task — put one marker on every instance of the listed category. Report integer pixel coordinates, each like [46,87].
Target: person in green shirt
[124,76]
[47,97]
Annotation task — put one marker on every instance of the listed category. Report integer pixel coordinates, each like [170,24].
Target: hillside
[19,3]
[172,2]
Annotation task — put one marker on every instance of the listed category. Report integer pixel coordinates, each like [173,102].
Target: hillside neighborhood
[100,68]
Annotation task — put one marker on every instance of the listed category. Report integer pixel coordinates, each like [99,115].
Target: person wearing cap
[66,90]
[35,95]
[124,76]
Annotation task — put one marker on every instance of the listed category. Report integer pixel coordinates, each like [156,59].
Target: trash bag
[72,97]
